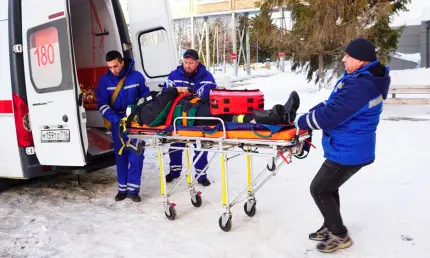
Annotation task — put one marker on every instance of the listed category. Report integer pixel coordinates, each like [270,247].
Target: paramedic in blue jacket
[134,90]
[348,120]
[193,76]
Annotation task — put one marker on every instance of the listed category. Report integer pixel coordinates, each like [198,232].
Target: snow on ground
[385,206]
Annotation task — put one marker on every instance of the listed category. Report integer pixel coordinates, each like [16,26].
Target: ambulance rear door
[154,49]
[50,82]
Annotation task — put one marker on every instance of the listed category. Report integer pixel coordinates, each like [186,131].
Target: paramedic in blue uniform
[133,90]
[193,76]
[348,120]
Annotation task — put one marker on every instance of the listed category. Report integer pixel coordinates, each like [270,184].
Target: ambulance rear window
[48,55]
[154,48]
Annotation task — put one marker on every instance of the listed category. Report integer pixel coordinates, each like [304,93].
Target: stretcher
[227,140]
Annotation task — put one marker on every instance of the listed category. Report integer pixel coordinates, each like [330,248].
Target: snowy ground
[385,206]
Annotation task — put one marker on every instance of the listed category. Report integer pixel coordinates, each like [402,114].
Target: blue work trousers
[176,161]
[129,164]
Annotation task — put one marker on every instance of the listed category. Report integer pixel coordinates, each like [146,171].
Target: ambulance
[53,53]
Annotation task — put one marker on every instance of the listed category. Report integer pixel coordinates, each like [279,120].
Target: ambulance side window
[154,47]
[48,55]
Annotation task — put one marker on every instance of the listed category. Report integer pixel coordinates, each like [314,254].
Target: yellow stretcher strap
[185,112]
[122,124]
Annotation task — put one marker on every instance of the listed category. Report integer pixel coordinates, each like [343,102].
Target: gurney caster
[250,207]
[225,222]
[196,199]
[272,166]
[170,211]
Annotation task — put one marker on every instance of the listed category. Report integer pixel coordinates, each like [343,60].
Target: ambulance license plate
[62,135]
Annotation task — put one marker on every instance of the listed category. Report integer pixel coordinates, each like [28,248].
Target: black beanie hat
[361,49]
[191,53]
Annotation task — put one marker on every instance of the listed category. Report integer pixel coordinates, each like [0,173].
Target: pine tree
[322,29]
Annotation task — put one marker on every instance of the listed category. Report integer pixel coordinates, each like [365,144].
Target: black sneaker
[120,196]
[320,235]
[169,178]
[334,242]
[135,197]
[205,182]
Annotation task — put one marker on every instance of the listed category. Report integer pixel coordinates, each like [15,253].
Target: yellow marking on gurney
[248,163]
[187,156]
[160,162]
[223,180]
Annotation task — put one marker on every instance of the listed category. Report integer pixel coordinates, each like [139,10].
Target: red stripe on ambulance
[6,107]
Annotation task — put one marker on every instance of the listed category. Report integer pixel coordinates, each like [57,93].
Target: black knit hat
[361,49]
[192,54]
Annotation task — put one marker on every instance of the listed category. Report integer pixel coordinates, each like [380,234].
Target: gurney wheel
[271,168]
[198,202]
[172,214]
[227,226]
[252,211]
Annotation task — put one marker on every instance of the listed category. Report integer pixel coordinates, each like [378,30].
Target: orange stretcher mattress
[285,134]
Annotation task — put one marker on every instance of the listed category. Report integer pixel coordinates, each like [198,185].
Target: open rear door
[50,81]
[154,49]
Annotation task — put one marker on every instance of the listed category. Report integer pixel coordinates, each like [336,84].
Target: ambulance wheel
[172,214]
[227,226]
[252,211]
[198,201]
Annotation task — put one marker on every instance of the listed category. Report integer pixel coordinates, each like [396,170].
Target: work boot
[291,107]
[135,197]
[334,242]
[320,234]
[205,182]
[120,196]
[170,177]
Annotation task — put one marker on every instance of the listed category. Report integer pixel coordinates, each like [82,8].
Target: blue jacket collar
[362,70]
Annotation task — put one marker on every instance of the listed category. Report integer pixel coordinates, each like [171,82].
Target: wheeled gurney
[279,143]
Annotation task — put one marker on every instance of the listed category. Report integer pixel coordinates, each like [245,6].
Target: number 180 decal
[45,55]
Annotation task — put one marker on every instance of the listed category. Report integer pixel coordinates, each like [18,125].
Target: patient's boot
[291,107]
[274,116]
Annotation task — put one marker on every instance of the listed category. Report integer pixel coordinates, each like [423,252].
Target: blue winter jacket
[200,83]
[133,89]
[349,118]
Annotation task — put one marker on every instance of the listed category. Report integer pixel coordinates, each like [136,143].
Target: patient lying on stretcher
[155,112]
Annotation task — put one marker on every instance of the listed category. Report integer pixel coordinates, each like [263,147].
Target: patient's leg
[279,114]
[204,111]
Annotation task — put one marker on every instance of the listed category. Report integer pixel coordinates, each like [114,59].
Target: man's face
[190,65]
[351,64]
[115,66]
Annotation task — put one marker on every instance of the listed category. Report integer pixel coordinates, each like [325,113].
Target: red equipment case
[235,102]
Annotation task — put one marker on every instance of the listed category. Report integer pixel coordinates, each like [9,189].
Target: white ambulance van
[51,47]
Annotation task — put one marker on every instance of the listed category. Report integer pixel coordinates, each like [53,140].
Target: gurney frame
[280,152]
